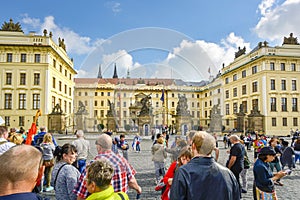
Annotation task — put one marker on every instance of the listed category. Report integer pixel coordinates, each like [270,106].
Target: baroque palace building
[258,91]
[36,73]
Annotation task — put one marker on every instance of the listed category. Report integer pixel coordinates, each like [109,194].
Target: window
[54,63]
[70,107]
[36,101]
[9,57]
[53,83]
[205,114]
[156,95]
[295,121]
[70,76]
[193,96]
[102,94]
[293,67]
[193,104]
[244,73]
[173,95]
[173,104]
[227,94]
[8,78]
[226,80]
[193,113]
[102,103]
[23,57]
[96,93]
[205,104]
[282,66]
[66,73]
[198,114]
[95,113]
[8,101]
[295,104]
[272,66]
[283,104]
[234,77]
[273,84]
[65,106]
[235,110]
[284,121]
[157,104]
[101,113]
[227,109]
[7,120]
[22,79]
[59,85]
[124,104]
[66,89]
[36,79]
[86,94]
[60,68]
[254,69]
[124,114]
[108,94]
[96,103]
[53,102]
[294,85]
[21,120]
[198,104]
[227,122]
[273,103]
[234,92]
[273,121]
[254,86]
[283,84]
[255,104]
[37,58]
[22,101]
[244,103]
[70,91]
[244,89]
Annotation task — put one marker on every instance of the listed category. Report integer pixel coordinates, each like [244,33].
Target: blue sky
[189,36]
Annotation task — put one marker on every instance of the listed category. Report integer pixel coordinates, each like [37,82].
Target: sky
[188,39]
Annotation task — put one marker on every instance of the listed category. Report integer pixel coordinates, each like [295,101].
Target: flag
[32,131]
[162,98]
[208,70]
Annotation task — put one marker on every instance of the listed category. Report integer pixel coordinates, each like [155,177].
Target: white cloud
[265,6]
[75,43]
[279,20]
[114,6]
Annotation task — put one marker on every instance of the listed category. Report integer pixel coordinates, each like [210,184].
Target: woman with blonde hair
[48,148]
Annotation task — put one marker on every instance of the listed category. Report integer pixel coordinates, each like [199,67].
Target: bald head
[79,133]
[105,142]
[20,163]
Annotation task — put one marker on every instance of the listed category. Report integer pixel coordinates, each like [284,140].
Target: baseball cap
[267,151]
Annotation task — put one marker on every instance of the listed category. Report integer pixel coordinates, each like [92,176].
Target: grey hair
[234,138]
[80,133]
[105,141]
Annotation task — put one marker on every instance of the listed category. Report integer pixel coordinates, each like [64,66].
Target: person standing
[297,150]
[158,157]
[123,176]
[203,178]
[236,158]
[24,168]
[124,146]
[48,148]
[99,176]
[83,148]
[38,139]
[263,176]
[275,163]
[65,175]
[4,143]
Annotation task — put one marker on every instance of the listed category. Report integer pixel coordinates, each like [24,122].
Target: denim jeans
[297,156]
[159,169]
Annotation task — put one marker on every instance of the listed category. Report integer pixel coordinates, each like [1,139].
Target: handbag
[48,163]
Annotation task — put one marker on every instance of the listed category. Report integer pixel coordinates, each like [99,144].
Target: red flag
[31,133]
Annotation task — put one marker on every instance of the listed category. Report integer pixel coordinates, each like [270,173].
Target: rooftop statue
[290,40]
[11,26]
[240,52]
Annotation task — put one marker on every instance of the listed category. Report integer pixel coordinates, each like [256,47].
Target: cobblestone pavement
[145,171]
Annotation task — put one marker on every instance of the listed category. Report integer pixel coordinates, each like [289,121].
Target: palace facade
[258,91]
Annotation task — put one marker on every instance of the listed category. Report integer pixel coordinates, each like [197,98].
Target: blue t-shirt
[22,196]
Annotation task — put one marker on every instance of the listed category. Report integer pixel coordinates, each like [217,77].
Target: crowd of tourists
[43,165]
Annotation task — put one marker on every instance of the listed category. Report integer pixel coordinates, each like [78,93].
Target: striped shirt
[123,173]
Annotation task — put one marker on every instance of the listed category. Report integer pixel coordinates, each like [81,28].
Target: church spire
[128,73]
[115,72]
[99,72]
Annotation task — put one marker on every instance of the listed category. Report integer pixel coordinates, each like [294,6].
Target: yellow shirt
[108,194]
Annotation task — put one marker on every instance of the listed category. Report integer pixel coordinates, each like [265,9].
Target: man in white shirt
[4,144]
[83,148]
